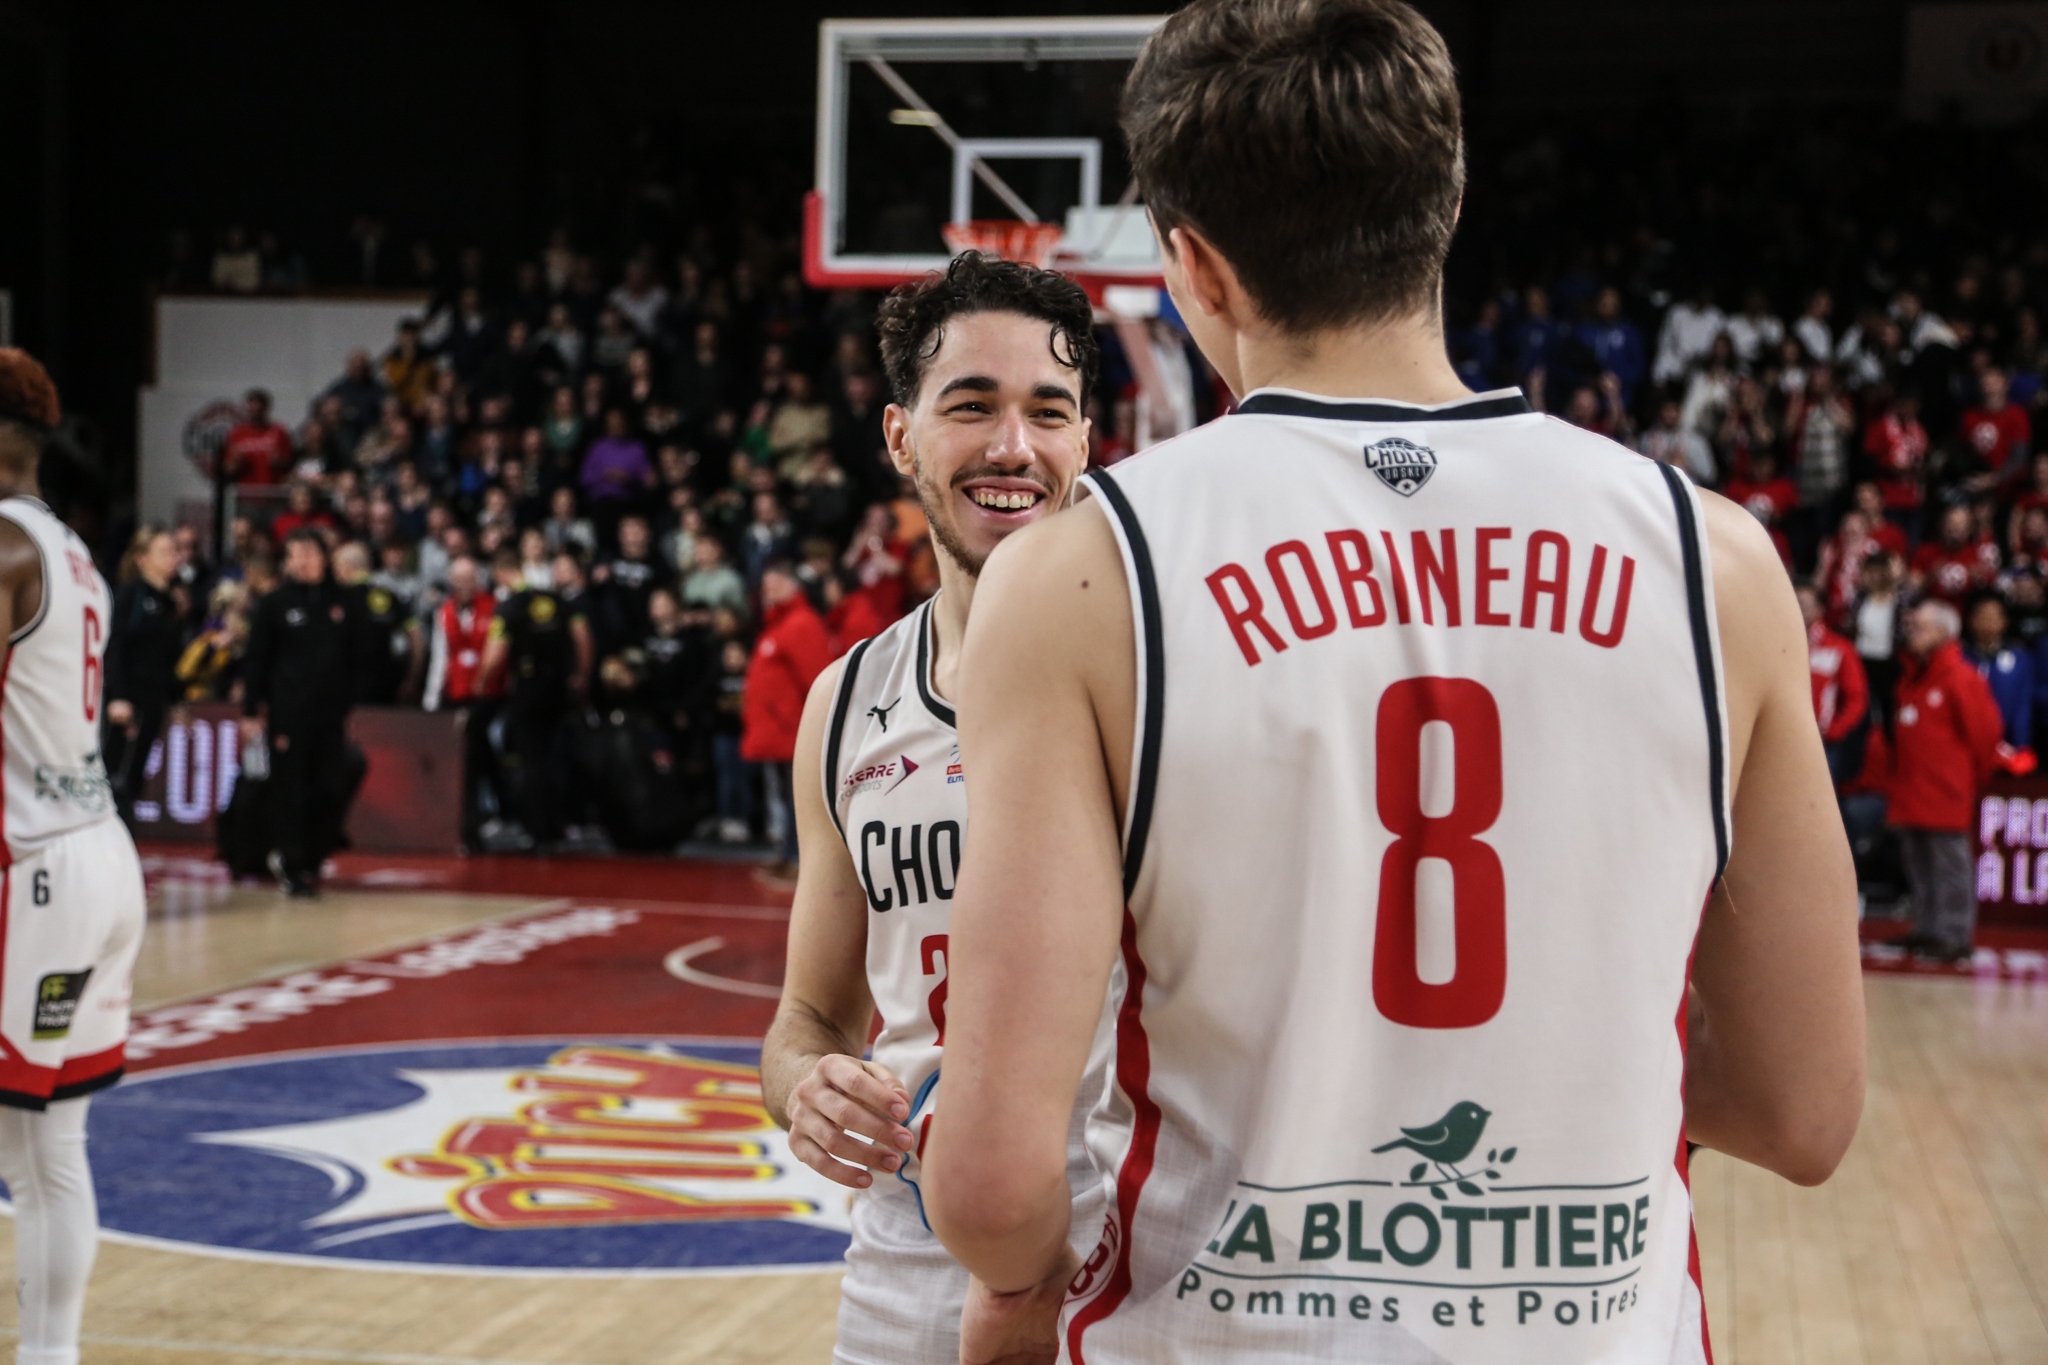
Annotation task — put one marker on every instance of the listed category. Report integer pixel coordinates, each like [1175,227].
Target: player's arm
[586,654]
[497,651]
[813,1078]
[21,578]
[1047,689]
[416,660]
[257,660]
[1774,1068]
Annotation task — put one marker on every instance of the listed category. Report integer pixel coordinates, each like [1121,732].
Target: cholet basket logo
[653,1158]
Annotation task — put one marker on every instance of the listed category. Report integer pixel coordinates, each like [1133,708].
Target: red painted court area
[618,947]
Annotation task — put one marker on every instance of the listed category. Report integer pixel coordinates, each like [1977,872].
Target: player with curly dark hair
[27,394]
[992,363]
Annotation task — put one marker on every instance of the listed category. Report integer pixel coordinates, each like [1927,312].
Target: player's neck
[1402,361]
[949,623]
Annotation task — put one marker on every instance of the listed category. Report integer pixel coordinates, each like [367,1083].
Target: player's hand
[121,713]
[1021,1328]
[841,1097]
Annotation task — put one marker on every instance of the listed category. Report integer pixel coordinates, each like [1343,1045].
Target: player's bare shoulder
[1762,636]
[1053,605]
[1063,576]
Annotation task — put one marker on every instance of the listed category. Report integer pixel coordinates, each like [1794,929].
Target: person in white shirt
[1672,442]
[1812,326]
[1756,331]
[1689,329]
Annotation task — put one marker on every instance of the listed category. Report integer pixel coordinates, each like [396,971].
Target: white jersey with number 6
[71,894]
[50,692]
[1427,796]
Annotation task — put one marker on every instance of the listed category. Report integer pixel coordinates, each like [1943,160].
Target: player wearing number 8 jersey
[990,363]
[71,896]
[1392,738]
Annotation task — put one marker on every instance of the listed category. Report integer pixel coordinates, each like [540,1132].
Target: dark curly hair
[27,395]
[913,318]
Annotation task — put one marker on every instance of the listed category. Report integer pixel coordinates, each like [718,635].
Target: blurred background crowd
[679,445]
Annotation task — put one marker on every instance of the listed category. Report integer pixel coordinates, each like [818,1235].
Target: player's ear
[1210,282]
[896,432]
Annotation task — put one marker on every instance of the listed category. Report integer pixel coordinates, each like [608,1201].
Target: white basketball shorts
[71,917]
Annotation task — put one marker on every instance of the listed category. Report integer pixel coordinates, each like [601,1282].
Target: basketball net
[1010,238]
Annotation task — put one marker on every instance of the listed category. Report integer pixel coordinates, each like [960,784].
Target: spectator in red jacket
[1767,494]
[1897,444]
[850,614]
[1841,692]
[258,450]
[1998,429]
[301,509]
[792,650]
[1946,735]
[1957,562]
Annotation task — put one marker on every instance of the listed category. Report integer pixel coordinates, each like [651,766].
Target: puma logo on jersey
[1402,465]
[881,713]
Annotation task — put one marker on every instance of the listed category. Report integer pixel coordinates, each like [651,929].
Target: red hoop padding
[1009,238]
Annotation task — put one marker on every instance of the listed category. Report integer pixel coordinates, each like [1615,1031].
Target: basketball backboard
[927,125]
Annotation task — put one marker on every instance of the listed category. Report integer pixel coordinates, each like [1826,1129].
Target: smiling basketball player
[1378,745]
[991,364]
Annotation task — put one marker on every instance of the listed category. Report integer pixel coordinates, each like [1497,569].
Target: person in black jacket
[393,644]
[540,641]
[144,640]
[299,679]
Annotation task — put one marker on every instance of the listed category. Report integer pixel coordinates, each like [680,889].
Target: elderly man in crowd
[1947,732]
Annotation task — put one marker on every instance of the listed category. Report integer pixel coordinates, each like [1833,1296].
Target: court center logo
[1401,465]
[647,1158]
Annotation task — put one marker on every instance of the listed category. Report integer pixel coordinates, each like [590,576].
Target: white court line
[677,964]
[296,1352]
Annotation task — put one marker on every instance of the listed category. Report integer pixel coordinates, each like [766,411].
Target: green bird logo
[1444,1144]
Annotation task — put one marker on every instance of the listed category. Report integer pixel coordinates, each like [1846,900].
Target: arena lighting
[913,118]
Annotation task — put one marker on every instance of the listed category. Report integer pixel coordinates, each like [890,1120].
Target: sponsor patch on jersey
[954,773]
[57,997]
[883,777]
[85,786]
[1401,464]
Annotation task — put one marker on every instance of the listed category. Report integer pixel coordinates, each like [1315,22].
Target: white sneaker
[732,831]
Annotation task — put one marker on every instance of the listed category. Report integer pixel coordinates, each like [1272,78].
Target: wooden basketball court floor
[1929,1245]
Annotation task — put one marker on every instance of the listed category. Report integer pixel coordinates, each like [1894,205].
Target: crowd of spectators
[655,442]
[684,459]
[1885,443]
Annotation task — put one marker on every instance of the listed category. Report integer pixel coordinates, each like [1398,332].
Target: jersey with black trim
[50,692]
[1427,795]
[896,790]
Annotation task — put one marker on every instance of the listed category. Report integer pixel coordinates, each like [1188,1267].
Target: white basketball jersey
[50,692]
[894,785]
[1427,796]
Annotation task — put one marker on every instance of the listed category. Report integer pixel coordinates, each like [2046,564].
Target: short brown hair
[1316,143]
[912,321]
